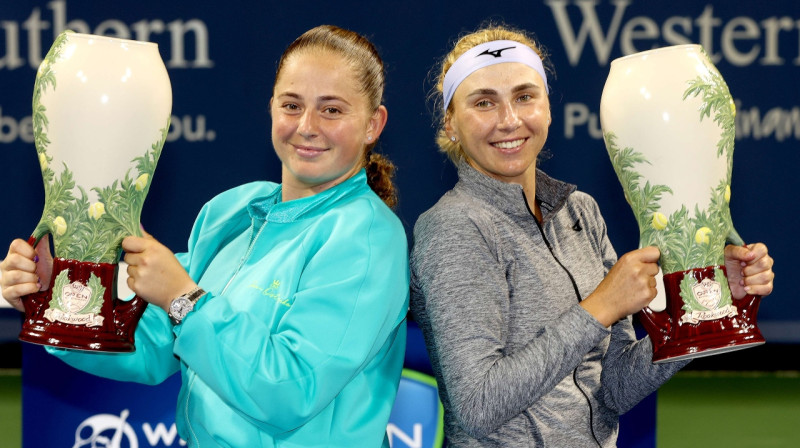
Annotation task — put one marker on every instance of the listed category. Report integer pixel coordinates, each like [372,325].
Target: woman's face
[321,122]
[500,115]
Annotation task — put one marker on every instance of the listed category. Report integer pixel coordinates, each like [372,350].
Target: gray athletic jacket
[519,363]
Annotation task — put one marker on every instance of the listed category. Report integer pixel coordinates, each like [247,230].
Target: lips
[308,151]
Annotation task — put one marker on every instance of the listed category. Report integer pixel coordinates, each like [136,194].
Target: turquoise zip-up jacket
[301,337]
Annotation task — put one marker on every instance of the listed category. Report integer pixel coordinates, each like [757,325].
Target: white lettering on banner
[109,431]
[780,124]
[578,115]
[11,129]
[183,126]
[742,40]
[144,30]
[393,432]
[161,435]
[590,27]
[186,127]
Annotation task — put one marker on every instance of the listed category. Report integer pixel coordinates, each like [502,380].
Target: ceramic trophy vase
[101,110]
[668,125]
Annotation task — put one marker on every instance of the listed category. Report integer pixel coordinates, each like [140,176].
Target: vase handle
[748,308]
[127,314]
[34,240]
[658,325]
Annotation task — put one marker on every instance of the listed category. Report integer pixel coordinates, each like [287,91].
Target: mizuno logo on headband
[495,53]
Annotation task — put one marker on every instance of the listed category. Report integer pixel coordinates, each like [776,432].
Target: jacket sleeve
[151,363]
[628,373]
[154,361]
[460,295]
[350,299]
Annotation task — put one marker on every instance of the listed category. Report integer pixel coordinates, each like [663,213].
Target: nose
[307,124]
[509,118]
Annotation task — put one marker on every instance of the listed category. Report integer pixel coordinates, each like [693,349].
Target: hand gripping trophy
[101,110]
[668,124]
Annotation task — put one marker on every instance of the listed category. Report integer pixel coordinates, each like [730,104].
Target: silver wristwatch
[182,305]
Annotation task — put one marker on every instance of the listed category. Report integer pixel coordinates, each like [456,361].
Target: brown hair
[487,33]
[365,62]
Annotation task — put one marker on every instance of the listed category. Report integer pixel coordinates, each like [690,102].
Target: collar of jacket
[271,208]
[508,198]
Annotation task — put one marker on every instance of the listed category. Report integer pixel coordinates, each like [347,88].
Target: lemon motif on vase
[702,235]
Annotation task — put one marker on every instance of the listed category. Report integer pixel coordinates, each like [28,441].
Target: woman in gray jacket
[524,305]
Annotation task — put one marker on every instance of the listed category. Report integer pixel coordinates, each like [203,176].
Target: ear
[269,107]
[449,129]
[376,124]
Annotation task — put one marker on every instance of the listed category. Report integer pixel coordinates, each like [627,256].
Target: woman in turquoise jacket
[286,317]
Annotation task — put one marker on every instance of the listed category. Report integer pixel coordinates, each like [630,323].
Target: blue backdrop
[221,59]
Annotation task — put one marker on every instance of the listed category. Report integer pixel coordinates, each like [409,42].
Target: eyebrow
[322,98]
[482,92]
[526,86]
[519,88]
[332,98]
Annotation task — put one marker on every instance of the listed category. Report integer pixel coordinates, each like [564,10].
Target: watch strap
[195,294]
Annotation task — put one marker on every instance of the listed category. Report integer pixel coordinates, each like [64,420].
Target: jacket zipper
[578,296]
[191,373]
[192,376]
[246,255]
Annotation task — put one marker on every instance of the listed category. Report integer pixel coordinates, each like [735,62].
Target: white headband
[484,55]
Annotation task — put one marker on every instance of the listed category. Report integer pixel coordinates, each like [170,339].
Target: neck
[533,205]
[290,192]
[529,188]
[293,188]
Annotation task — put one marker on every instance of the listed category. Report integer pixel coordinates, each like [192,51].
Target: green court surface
[729,409]
[695,409]
[10,408]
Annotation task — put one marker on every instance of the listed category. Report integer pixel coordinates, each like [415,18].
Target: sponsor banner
[221,62]
[221,58]
[417,419]
[65,407]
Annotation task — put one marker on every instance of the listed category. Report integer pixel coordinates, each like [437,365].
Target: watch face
[180,307]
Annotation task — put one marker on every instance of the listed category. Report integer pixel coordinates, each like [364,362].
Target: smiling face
[500,115]
[321,122]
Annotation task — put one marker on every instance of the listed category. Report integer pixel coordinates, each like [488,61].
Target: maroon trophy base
[108,327]
[677,334]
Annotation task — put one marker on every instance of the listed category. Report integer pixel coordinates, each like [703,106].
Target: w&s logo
[114,431]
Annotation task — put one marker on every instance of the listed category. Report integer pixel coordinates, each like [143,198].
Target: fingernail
[35,258]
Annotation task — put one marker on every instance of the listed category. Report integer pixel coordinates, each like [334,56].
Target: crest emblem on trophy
[668,124]
[101,111]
